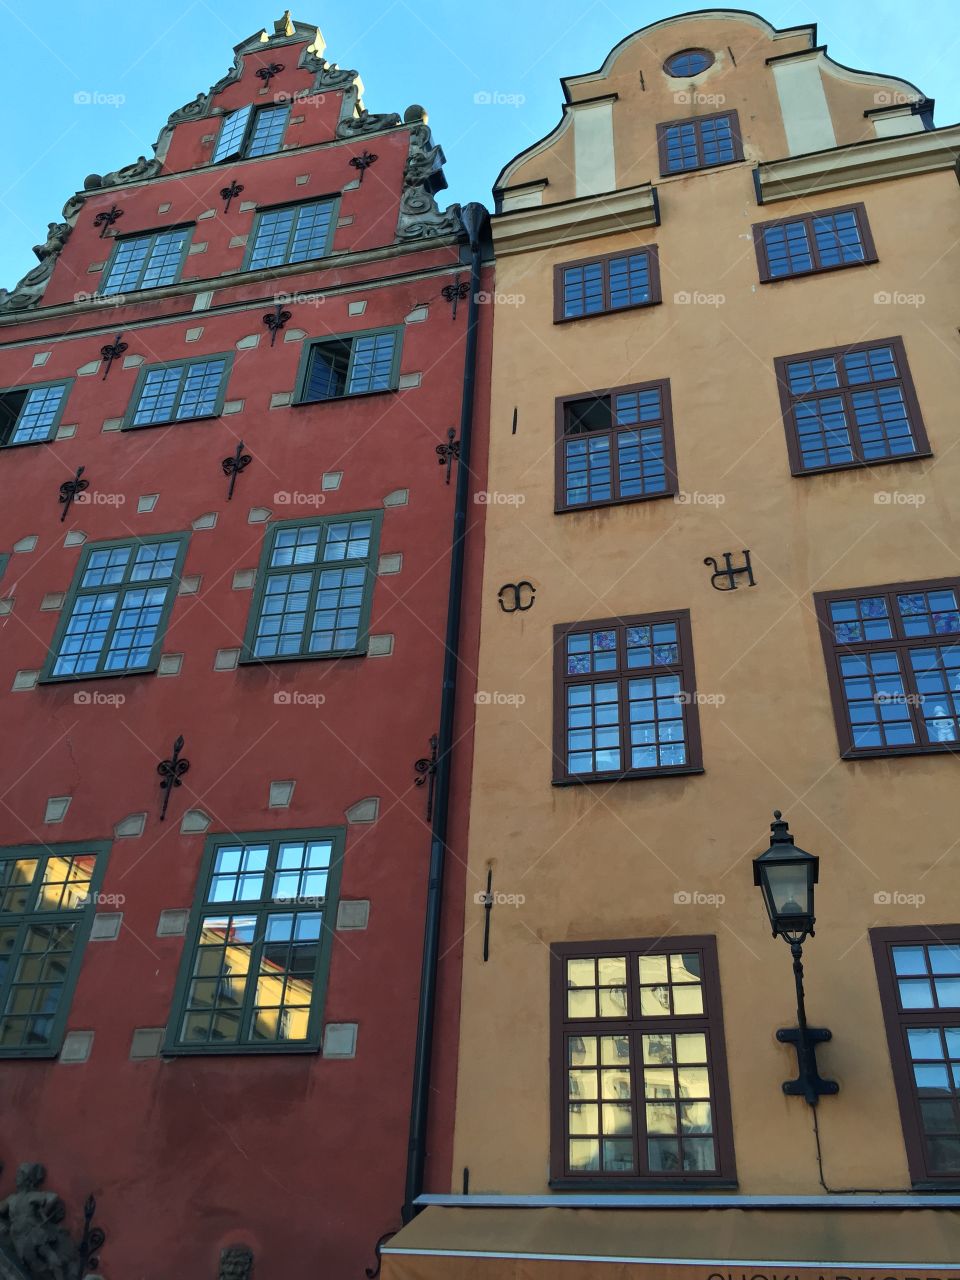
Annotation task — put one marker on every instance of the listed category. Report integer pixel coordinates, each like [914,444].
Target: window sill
[613,1185]
[356,395]
[612,311]
[818,271]
[251,660]
[97,675]
[614,502]
[26,444]
[701,168]
[884,753]
[169,422]
[859,466]
[237,1051]
[47,1054]
[681,771]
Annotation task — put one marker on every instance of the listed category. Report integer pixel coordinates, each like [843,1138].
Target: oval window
[688,62]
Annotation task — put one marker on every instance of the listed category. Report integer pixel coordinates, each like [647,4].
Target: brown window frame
[710,1022]
[604,259]
[833,650]
[905,381]
[664,125]
[669,446]
[688,685]
[859,211]
[897,1021]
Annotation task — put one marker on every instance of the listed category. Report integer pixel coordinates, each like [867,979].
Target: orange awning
[676,1244]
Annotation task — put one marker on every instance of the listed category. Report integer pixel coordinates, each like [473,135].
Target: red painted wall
[301,1157]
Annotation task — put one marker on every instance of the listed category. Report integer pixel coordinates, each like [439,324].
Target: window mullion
[613,437]
[912,691]
[605,279]
[16,955]
[853,427]
[145,265]
[292,235]
[111,630]
[178,396]
[815,258]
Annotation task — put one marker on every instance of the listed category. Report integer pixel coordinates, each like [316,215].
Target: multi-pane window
[625,700]
[813,242]
[893,665]
[919,975]
[251,132]
[146,262]
[688,62]
[174,392]
[850,407]
[315,585]
[116,612]
[29,415]
[294,233]
[46,906]
[258,949]
[699,143]
[615,446]
[351,365]
[639,1087]
[613,282]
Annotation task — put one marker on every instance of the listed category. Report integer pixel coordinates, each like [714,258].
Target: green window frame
[115,616]
[146,261]
[31,413]
[254,969]
[349,364]
[4,561]
[47,903]
[314,589]
[288,233]
[179,391]
[251,131]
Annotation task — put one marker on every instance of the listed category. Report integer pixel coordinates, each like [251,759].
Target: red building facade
[223,393]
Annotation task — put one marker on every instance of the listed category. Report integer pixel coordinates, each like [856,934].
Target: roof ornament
[284,27]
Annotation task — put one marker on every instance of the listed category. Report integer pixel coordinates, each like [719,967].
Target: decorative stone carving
[26,293]
[366,122]
[195,110]
[236,1263]
[329,75]
[232,75]
[32,1237]
[57,233]
[141,169]
[420,216]
[73,207]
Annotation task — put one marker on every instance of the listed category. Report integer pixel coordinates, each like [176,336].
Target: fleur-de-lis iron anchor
[455,293]
[230,193]
[426,767]
[267,73]
[69,490]
[234,465]
[362,163]
[171,773]
[112,351]
[275,320]
[511,596]
[93,1238]
[106,219]
[728,574]
[447,452]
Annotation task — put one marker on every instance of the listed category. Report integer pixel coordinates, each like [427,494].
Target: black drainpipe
[474,216]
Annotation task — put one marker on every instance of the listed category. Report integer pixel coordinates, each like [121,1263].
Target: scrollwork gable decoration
[236,1263]
[420,215]
[28,291]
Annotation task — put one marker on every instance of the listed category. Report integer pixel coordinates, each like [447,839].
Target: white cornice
[526,230]
[858,164]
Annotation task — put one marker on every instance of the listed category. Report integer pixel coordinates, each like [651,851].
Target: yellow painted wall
[604,861]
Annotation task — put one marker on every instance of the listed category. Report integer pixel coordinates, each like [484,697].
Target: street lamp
[786,875]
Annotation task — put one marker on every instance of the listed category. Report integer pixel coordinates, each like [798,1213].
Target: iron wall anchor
[171,774]
[728,573]
[232,466]
[275,320]
[446,453]
[112,351]
[69,490]
[426,767]
[511,596]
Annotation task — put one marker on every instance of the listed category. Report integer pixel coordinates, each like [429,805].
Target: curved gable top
[789,96]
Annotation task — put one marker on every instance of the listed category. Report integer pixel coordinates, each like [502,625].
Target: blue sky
[144,59]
